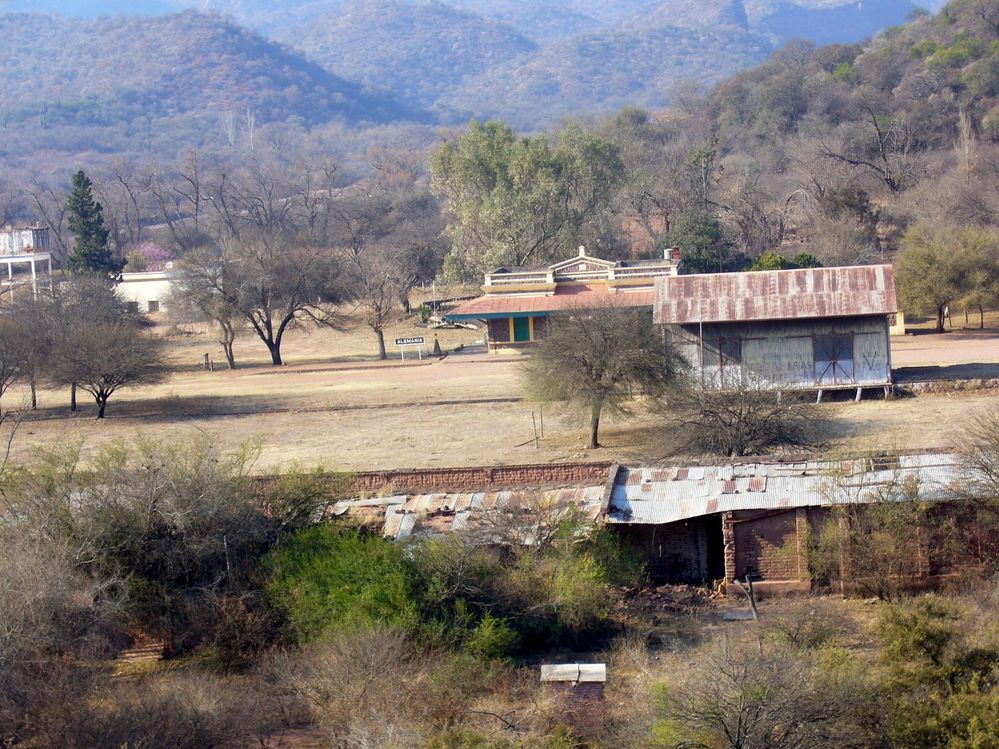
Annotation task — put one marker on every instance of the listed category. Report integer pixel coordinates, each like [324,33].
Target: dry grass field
[334,404]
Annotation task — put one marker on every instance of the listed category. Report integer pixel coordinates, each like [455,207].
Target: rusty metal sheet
[777,487]
[494,304]
[775,295]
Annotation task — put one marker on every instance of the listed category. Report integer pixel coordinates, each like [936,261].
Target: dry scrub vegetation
[282,627]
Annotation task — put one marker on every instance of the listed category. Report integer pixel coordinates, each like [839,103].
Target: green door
[521,329]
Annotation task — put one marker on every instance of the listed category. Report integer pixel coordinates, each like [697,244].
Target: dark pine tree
[91,253]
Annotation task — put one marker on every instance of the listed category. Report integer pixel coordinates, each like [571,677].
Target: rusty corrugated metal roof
[580,298]
[656,495]
[775,295]
[640,496]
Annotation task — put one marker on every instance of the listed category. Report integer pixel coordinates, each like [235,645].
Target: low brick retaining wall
[480,478]
[950,386]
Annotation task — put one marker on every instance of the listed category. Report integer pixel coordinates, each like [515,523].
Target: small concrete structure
[148,291]
[579,688]
[24,240]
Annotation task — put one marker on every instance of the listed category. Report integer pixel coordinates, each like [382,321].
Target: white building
[26,245]
[24,240]
[148,291]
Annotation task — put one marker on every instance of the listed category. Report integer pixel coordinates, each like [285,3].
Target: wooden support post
[818,397]
[856,398]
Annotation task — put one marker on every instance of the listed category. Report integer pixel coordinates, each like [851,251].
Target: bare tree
[317,191]
[599,359]
[271,284]
[180,200]
[362,224]
[202,289]
[977,446]
[99,348]
[890,155]
[52,207]
[11,205]
[32,322]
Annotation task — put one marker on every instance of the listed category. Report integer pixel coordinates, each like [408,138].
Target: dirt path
[956,347]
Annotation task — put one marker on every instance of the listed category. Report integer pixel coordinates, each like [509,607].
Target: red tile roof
[776,295]
[576,297]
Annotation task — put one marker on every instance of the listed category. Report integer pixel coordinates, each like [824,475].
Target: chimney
[582,251]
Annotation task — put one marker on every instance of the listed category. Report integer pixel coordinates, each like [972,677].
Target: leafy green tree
[91,253]
[704,248]
[928,270]
[805,260]
[600,359]
[770,260]
[980,258]
[521,201]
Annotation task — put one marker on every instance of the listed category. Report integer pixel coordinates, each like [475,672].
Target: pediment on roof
[580,265]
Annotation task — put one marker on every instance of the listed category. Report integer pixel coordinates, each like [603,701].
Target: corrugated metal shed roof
[655,495]
[775,295]
[579,298]
[646,496]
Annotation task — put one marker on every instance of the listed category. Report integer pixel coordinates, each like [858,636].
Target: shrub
[492,638]
[185,710]
[750,693]
[941,677]
[744,421]
[328,579]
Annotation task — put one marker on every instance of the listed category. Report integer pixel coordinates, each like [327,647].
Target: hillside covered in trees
[158,84]
[136,82]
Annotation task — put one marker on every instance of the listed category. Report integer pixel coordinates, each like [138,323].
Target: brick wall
[499,330]
[546,475]
[773,544]
[686,552]
[581,706]
[770,544]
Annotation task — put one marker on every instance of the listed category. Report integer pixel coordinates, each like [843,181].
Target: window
[833,355]
[132,307]
[154,305]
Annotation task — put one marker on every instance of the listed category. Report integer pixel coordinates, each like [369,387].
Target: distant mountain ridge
[532,62]
[112,83]
[362,42]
